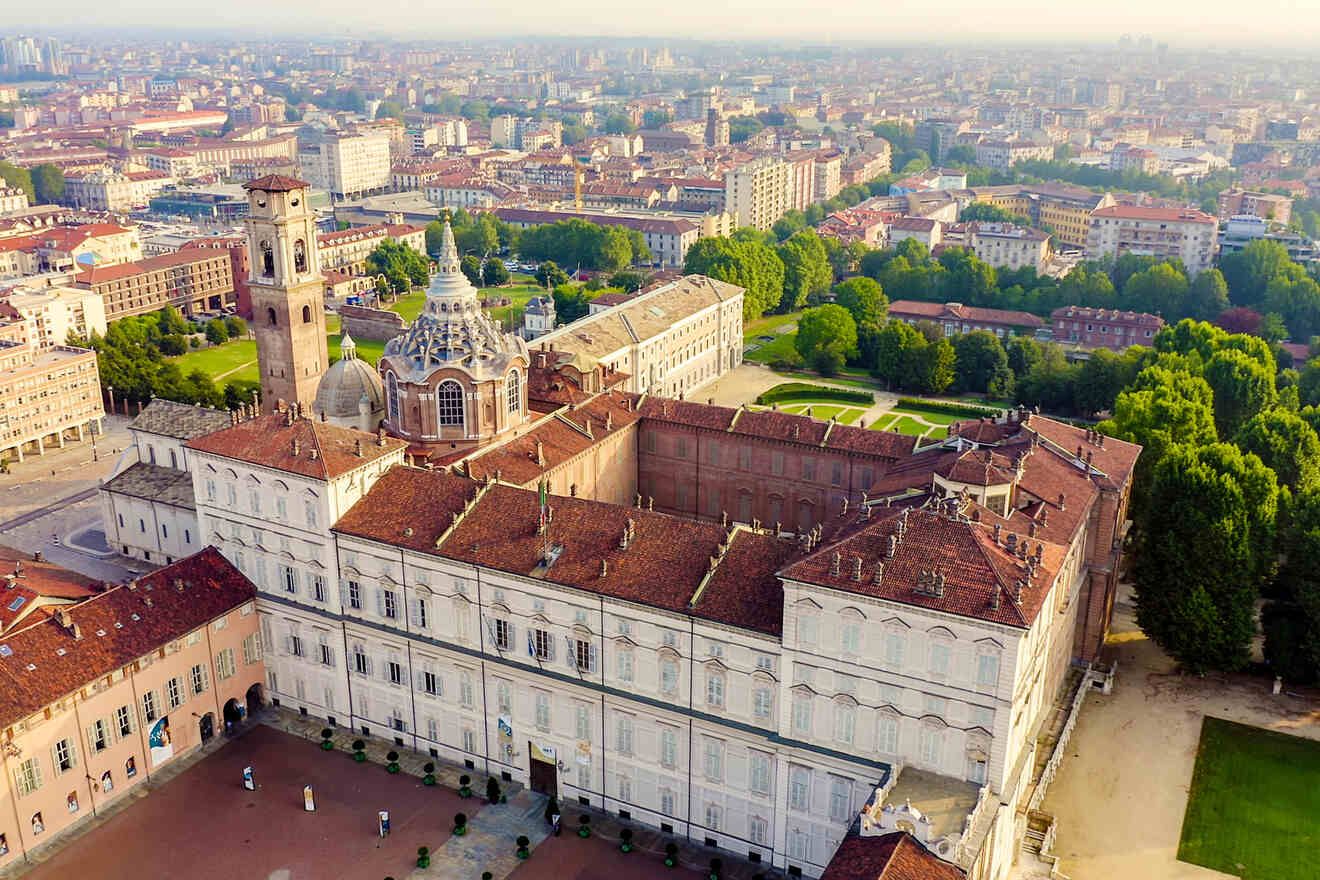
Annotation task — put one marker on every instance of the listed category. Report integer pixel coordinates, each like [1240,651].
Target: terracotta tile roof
[276,183]
[560,437]
[912,308]
[407,499]
[894,856]
[744,591]
[1116,458]
[45,578]
[324,451]
[978,467]
[65,663]
[1143,212]
[889,444]
[686,412]
[99,274]
[973,567]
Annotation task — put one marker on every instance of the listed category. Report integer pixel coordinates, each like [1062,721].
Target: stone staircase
[1038,824]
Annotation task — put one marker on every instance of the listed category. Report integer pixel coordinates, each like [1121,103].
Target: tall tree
[48,182]
[896,346]
[1160,290]
[863,298]
[981,365]
[826,326]
[1207,548]
[494,274]
[1250,270]
[806,270]
[1208,297]
[749,264]
[1242,386]
[1286,444]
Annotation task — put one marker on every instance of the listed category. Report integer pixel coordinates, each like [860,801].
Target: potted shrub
[492,790]
[625,836]
[359,751]
[423,857]
[487,875]
[429,770]
[584,826]
[460,824]
[393,765]
[716,867]
[671,855]
[326,742]
[465,786]
[523,843]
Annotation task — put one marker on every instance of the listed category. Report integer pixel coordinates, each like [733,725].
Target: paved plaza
[203,823]
[1121,792]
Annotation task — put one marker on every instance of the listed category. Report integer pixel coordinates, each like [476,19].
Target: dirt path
[234,370]
[1121,793]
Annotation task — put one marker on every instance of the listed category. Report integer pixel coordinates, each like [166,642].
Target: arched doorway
[233,714]
[207,727]
[256,698]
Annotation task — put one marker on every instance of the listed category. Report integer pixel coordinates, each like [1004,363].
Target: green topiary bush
[523,844]
[326,742]
[460,824]
[359,751]
[946,407]
[429,769]
[788,392]
[393,765]
[671,855]
[423,857]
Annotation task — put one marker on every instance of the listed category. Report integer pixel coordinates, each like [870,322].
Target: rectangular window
[318,587]
[469,742]
[887,736]
[584,655]
[174,693]
[757,830]
[987,671]
[758,773]
[802,715]
[931,745]
[295,644]
[65,756]
[745,458]
[894,644]
[124,721]
[666,802]
[715,689]
[289,577]
[713,760]
[777,464]
[799,789]
[808,468]
[504,697]
[543,645]
[389,607]
[668,746]
[361,663]
[939,660]
[396,672]
[668,676]
[327,653]
[762,701]
[840,799]
[200,679]
[713,816]
[224,664]
[354,594]
[419,613]
[150,706]
[625,664]
[465,689]
[430,683]
[27,777]
[836,474]
[503,634]
[582,717]
[623,742]
[543,711]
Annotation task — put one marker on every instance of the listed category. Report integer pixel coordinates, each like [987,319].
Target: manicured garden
[1253,805]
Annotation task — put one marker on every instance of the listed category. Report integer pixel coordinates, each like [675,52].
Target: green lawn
[781,347]
[1253,806]
[766,325]
[221,359]
[368,350]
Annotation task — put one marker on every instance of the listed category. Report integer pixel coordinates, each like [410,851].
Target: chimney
[1040,553]
[835,563]
[604,567]
[540,453]
[36,557]
[1031,529]
[879,573]
[994,597]
[296,447]
[998,528]
[1061,500]
[976,515]
[1012,543]
[77,632]
[857,568]
[1088,459]
[380,436]
[178,584]
[1079,453]
[357,447]
[315,454]
[893,547]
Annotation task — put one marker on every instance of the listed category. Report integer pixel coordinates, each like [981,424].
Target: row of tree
[578,243]
[133,359]
[44,184]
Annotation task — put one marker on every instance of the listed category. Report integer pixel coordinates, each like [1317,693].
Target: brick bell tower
[288,315]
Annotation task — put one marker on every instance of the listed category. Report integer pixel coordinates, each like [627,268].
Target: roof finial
[347,348]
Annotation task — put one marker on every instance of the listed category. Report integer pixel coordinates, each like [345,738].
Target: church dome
[350,391]
[452,330]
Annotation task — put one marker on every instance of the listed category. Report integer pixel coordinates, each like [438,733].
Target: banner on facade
[159,742]
[505,724]
[543,753]
[584,753]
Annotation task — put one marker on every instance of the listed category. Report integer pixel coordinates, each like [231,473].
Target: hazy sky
[1182,23]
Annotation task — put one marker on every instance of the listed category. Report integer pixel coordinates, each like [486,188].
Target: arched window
[299,256]
[267,260]
[307,314]
[392,396]
[449,403]
[270,317]
[513,391]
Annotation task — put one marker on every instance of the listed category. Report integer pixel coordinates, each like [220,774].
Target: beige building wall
[46,397]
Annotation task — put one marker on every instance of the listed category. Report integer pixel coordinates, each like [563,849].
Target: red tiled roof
[276,183]
[908,307]
[1143,212]
[408,507]
[45,578]
[324,451]
[134,621]
[964,553]
[182,257]
[978,467]
[744,590]
[894,856]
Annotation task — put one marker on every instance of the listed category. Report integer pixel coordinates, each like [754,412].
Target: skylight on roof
[6,651]
[17,603]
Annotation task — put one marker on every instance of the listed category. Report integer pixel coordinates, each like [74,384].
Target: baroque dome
[347,385]
[452,330]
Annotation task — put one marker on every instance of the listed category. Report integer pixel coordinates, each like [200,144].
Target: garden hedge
[945,407]
[788,392]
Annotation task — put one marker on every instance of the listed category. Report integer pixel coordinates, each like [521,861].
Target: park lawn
[783,346]
[766,324]
[1253,803]
[909,425]
[220,359]
[933,418]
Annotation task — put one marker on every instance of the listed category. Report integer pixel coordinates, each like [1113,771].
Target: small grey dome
[344,387]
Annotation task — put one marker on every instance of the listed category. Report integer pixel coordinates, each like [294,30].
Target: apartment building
[954,317]
[466,191]
[47,396]
[348,166]
[62,248]
[113,191]
[12,199]
[1009,246]
[827,174]
[147,505]
[101,694]
[1271,206]
[671,340]
[50,314]
[1065,209]
[761,191]
[1003,155]
[347,249]
[1104,328]
[1185,233]
[192,280]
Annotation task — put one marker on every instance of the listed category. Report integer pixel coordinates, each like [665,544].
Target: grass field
[825,411]
[221,359]
[1254,799]
[782,346]
[765,325]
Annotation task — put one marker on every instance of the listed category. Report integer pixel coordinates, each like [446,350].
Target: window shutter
[343,593]
[591,657]
[380,602]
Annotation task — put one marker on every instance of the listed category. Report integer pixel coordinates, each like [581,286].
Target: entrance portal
[233,714]
[207,727]
[256,698]
[544,777]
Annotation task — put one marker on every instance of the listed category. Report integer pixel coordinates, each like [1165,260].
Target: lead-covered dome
[350,392]
[452,330]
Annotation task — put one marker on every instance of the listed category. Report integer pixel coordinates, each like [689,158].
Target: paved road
[49,508]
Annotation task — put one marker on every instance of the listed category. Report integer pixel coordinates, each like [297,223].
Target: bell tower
[288,315]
